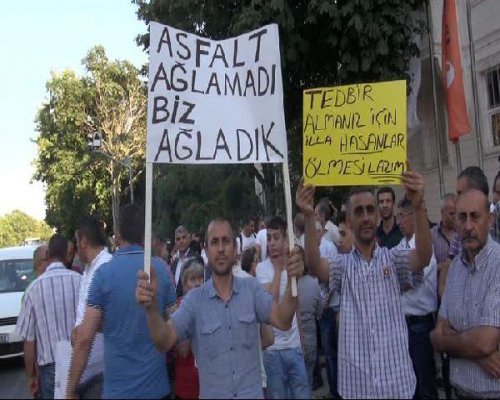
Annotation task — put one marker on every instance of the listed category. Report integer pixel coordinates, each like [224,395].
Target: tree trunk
[115,196]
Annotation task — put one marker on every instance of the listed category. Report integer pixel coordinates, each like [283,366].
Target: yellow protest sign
[355,134]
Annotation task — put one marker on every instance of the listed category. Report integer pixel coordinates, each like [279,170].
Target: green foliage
[193,195]
[109,98]
[323,43]
[18,226]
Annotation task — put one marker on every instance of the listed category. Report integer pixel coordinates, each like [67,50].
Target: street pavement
[13,382]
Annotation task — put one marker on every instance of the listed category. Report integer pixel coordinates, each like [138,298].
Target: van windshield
[15,275]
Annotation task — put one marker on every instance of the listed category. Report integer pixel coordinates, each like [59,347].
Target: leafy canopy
[111,99]
[18,226]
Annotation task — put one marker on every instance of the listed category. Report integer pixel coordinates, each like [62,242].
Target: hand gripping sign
[214,102]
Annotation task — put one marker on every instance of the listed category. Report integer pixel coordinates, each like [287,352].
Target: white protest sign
[215,101]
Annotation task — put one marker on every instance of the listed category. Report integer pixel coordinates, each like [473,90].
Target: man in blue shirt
[133,367]
[220,318]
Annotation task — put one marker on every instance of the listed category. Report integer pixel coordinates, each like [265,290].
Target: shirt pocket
[211,340]
[248,329]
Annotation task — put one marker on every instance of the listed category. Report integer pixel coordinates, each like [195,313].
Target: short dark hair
[277,223]
[58,247]
[247,259]
[194,247]
[497,176]
[342,218]
[355,191]
[475,178]
[131,224]
[299,221]
[219,220]
[326,207]
[246,220]
[386,189]
[405,203]
[92,228]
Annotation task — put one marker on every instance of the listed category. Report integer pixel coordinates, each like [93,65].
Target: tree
[17,226]
[323,43]
[193,195]
[111,99]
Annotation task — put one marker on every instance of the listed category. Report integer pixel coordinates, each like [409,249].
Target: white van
[16,272]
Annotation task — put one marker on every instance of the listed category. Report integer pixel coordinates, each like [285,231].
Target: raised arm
[421,256]
[305,201]
[162,332]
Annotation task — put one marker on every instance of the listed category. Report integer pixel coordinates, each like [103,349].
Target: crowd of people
[398,305]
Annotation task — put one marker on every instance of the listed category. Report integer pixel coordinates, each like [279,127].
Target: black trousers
[422,355]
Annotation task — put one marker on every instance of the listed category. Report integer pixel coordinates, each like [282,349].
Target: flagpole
[434,100]
[148,217]
[472,58]
[459,157]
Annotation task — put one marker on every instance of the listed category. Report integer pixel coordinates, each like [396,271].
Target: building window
[493,83]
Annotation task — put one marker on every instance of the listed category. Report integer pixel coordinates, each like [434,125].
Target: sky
[37,37]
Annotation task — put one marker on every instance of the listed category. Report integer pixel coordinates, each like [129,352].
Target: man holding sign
[374,361]
[221,317]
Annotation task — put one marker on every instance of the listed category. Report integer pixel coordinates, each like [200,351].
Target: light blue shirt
[133,368]
[224,337]
[471,299]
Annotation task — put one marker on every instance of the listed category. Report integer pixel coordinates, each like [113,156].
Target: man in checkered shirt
[374,360]
[468,327]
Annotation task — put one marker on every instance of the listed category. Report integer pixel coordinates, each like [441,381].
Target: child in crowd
[187,385]
[249,260]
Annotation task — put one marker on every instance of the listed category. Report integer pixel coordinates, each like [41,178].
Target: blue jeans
[422,357]
[92,389]
[46,381]
[286,374]
[329,340]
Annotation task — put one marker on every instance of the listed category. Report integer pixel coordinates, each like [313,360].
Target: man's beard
[226,271]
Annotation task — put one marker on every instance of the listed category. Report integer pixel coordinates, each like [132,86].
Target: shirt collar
[480,258]
[212,292]
[440,231]
[96,259]
[55,265]
[133,248]
[357,253]
[395,226]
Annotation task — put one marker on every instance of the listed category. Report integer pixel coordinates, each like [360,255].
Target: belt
[415,319]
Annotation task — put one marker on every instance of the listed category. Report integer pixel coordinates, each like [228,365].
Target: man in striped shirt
[47,316]
[468,327]
[374,361]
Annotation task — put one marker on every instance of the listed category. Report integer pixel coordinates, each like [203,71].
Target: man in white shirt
[246,238]
[284,360]
[419,306]
[261,243]
[93,252]
[324,212]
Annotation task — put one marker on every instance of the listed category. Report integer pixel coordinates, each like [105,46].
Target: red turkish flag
[458,119]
